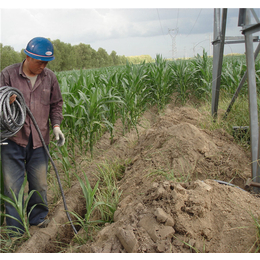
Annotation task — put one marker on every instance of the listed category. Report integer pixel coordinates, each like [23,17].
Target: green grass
[91,204]
[238,116]
[109,173]
[20,204]
[257,226]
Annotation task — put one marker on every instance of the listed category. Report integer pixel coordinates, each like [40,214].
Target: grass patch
[21,207]
[101,200]
[238,116]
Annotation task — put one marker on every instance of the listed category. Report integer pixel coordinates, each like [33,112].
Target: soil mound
[202,216]
[171,200]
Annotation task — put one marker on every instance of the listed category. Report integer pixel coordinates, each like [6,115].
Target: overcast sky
[146,29]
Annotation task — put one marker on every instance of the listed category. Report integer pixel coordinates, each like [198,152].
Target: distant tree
[122,60]
[23,55]
[68,57]
[64,57]
[115,58]
[8,56]
[84,55]
[104,58]
[55,64]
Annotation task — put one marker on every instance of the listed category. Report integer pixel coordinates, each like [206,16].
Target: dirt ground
[171,200]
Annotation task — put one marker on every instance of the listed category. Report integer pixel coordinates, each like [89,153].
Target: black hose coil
[12,116]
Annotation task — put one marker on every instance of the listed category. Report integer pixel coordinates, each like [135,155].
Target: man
[25,152]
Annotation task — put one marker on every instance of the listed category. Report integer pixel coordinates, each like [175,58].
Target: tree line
[68,57]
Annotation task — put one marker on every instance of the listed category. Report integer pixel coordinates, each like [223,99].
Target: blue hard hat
[40,48]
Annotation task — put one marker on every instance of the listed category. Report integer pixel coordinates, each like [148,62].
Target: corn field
[95,99]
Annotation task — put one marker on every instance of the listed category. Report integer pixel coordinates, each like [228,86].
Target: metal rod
[235,39]
[258,161]
[254,14]
[218,50]
[215,56]
[243,80]
[252,28]
[255,184]
[250,183]
[242,17]
[254,132]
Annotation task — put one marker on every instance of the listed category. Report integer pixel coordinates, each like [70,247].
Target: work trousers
[16,162]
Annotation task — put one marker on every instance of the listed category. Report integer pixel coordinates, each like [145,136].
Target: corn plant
[94,120]
[135,93]
[202,67]
[91,203]
[21,206]
[65,160]
[161,83]
[184,78]
[73,115]
[109,88]
[232,74]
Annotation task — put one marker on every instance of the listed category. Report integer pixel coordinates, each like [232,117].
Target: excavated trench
[59,231]
[170,201]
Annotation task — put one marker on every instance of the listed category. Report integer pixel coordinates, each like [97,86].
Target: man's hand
[12,99]
[59,135]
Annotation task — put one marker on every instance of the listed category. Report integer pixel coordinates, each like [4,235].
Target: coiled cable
[12,118]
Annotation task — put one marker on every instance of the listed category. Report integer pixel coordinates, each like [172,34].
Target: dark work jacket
[44,101]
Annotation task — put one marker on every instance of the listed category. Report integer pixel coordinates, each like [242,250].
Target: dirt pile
[170,217]
[170,200]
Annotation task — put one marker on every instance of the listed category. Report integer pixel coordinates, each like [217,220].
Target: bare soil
[171,201]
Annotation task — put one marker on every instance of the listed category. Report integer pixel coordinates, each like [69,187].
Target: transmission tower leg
[253,107]
[243,80]
[258,162]
[218,50]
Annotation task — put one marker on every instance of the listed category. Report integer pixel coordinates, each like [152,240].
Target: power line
[177,18]
[160,22]
[194,23]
